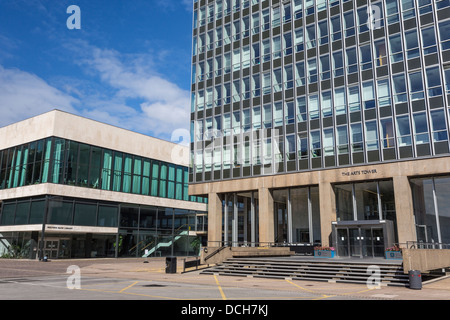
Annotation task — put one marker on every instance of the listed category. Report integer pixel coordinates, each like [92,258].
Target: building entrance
[362,239]
[56,248]
[360,242]
[51,248]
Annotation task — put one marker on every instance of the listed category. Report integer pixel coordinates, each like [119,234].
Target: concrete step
[308,266]
[354,272]
[312,262]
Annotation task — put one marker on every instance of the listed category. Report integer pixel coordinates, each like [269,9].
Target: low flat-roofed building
[89,189]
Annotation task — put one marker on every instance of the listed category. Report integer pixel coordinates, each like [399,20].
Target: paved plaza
[139,279]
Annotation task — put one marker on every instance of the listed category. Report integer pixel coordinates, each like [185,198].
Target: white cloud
[163,106]
[131,94]
[23,95]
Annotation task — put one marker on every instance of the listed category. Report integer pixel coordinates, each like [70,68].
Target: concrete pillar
[214,220]
[404,210]
[88,245]
[327,211]
[266,216]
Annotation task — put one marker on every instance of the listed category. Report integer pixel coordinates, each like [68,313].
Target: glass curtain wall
[61,211]
[157,232]
[297,215]
[240,223]
[141,228]
[64,211]
[431,209]
[374,92]
[61,161]
[371,200]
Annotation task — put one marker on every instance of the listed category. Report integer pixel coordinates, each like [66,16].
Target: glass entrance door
[354,242]
[342,242]
[51,249]
[378,242]
[360,242]
[366,243]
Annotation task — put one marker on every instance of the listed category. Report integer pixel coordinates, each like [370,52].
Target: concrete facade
[425,259]
[398,171]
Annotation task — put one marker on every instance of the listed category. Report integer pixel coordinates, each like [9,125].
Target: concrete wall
[231,252]
[96,194]
[425,259]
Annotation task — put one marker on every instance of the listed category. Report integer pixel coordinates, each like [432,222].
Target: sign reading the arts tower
[359,172]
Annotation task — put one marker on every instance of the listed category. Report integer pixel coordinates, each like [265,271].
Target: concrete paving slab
[136,279]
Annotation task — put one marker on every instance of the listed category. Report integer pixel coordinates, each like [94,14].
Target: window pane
[37,212]
[424,210]
[22,211]
[442,186]
[60,212]
[416,85]
[399,85]
[434,81]
[342,139]
[83,165]
[85,214]
[356,137]
[387,133]
[421,128]
[8,214]
[403,131]
[444,30]
[328,142]
[371,135]
[438,125]
[368,95]
[107,169]
[95,167]
[107,216]
[315,144]
[344,202]
[366,195]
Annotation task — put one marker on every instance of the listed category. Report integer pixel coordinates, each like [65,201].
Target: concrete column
[234,227]
[327,211]
[253,220]
[266,216]
[88,245]
[404,210]
[214,220]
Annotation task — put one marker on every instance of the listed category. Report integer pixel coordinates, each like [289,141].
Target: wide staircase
[331,270]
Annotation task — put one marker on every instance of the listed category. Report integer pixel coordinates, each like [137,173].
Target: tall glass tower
[296,102]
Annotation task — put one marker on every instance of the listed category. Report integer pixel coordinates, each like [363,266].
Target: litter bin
[171,265]
[415,279]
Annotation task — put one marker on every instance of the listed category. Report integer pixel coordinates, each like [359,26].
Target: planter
[393,255]
[324,253]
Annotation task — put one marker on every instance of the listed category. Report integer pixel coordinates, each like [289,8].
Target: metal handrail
[427,245]
[259,244]
[221,245]
[209,256]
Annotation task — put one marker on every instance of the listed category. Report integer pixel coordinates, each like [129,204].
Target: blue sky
[128,65]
